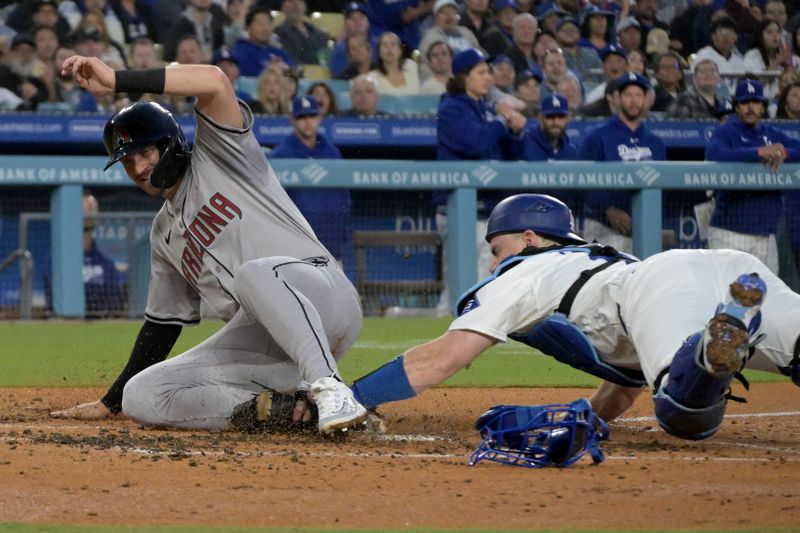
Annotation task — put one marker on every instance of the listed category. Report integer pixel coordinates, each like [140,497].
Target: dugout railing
[66,176]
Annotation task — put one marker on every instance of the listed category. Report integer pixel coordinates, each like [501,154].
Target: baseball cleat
[727,337]
[338,409]
[373,423]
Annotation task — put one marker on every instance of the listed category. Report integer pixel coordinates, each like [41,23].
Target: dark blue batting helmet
[541,213]
[540,435]
[143,124]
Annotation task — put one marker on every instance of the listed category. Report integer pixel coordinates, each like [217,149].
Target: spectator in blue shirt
[547,141]
[257,51]
[356,22]
[466,127]
[102,283]
[327,210]
[623,137]
[401,17]
[747,220]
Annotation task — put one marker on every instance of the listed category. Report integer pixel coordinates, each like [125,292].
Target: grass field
[80,354]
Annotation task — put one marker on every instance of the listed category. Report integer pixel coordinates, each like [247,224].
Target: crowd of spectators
[692,51]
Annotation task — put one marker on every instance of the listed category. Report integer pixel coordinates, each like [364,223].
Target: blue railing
[68,175]
[420,132]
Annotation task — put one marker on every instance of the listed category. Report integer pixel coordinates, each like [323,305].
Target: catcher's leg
[690,399]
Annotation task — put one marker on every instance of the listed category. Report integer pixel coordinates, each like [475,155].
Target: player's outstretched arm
[611,400]
[215,95]
[95,410]
[430,364]
[420,368]
[152,346]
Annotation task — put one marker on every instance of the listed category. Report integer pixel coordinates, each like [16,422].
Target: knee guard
[686,422]
[692,402]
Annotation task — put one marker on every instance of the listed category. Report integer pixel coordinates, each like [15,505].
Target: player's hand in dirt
[302,413]
[85,411]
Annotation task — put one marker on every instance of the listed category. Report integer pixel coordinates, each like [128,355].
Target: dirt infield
[114,472]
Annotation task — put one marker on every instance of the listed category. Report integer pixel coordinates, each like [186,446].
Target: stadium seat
[411,104]
[315,72]
[330,22]
[248,84]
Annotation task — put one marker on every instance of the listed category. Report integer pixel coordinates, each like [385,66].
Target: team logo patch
[121,137]
[470,305]
[538,207]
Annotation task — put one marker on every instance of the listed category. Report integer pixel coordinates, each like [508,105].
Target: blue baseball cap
[632,78]
[555,104]
[749,91]
[612,49]
[499,5]
[305,106]
[352,7]
[502,58]
[466,59]
[550,8]
[528,74]
[567,20]
[223,54]
[724,108]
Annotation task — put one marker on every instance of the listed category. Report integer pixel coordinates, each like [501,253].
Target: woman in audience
[359,56]
[393,72]
[637,61]
[596,28]
[789,103]
[785,78]
[271,99]
[769,56]
[94,22]
[325,97]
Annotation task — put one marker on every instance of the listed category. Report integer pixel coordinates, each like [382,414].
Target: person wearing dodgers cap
[748,220]
[547,140]
[623,137]
[328,210]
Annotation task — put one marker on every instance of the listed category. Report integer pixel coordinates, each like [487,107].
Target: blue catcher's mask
[540,435]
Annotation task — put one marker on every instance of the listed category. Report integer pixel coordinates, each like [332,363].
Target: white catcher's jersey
[637,315]
[530,291]
[229,209]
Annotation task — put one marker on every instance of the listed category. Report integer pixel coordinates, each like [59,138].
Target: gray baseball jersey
[232,237]
[229,209]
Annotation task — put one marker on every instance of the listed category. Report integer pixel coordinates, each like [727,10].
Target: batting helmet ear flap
[143,124]
[172,164]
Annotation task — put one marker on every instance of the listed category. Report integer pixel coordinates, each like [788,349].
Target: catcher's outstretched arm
[611,400]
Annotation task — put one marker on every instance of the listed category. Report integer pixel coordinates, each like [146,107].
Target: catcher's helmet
[540,435]
[143,124]
[538,212]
